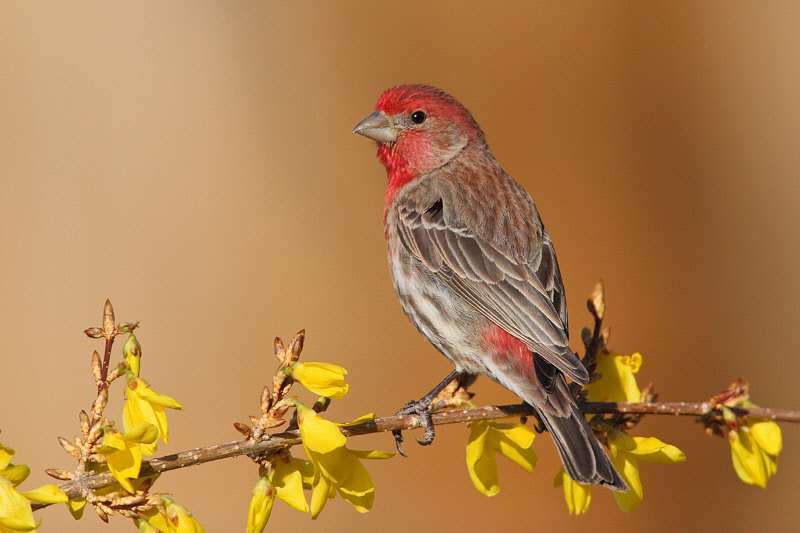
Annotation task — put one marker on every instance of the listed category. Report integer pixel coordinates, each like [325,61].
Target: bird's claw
[539,426]
[398,440]
[425,419]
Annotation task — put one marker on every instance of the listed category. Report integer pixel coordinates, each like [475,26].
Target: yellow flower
[15,511]
[286,482]
[178,519]
[324,379]
[578,495]
[123,454]
[625,452]
[133,353]
[146,405]
[288,475]
[260,505]
[16,474]
[755,448]
[488,437]
[618,383]
[336,467]
[76,506]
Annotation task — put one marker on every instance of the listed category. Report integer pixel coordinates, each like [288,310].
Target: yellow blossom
[488,437]
[261,505]
[754,449]
[178,519]
[15,511]
[46,494]
[287,477]
[618,383]
[286,482]
[146,405]
[336,467]
[122,452]
[625,452]
[16,474]
[324,379]
[133,353]
[578,495]
[76,506]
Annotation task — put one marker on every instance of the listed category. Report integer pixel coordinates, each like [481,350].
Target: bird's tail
[545,389]
[543,386]
[582,454]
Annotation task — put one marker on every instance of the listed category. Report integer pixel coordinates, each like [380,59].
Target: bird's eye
[418,117]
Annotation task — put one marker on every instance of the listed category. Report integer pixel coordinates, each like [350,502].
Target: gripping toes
[426,421]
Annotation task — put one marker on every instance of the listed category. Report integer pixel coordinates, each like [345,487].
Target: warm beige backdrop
[193,162]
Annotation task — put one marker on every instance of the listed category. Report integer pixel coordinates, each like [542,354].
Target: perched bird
[475,270]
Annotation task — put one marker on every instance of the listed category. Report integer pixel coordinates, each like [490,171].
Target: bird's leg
[420,408]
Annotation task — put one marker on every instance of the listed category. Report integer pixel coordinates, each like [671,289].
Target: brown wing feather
[525,298]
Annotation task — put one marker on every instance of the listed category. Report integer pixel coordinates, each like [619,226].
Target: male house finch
[474,268]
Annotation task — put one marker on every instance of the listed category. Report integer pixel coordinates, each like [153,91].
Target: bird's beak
[377,127]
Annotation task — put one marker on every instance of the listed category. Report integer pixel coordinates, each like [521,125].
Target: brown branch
[291,438]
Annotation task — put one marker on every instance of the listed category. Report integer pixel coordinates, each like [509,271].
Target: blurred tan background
[193,162]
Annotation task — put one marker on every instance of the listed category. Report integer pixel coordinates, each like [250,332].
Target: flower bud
[133,352]
[94,333]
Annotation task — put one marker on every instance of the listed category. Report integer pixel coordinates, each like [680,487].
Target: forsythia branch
[288,439]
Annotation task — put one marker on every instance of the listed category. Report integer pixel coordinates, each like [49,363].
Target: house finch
[475,270]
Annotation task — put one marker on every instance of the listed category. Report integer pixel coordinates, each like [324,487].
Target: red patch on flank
[507,350]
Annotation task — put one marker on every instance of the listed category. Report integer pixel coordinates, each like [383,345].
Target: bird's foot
[539,426]
[420,409]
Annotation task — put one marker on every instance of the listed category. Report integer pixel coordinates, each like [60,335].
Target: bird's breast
[444,318]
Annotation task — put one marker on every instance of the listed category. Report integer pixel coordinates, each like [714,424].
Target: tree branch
[288,439]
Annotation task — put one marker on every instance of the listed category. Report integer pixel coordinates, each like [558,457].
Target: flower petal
[15,511]
[628,468]
[260,506]
[359,482]
[46,494]
[515,443]
[324,379]
[577,495]
[319,496]
[768,435]
[747,459]
[373,454]
[367,417]
[362,503]
[655,451]
[76,507]
[618,383]
[476,442]
[287,479]
[319,435]
[483,472]
[6,454]
[16,474]
[145,433]
[161,399]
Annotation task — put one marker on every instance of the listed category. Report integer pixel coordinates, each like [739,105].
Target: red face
[419,129]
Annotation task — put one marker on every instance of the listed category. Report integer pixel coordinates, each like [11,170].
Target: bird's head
[418,129]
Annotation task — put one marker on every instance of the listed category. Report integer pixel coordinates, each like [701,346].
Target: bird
[475,270]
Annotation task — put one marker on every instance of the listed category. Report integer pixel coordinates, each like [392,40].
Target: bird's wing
[524,297]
